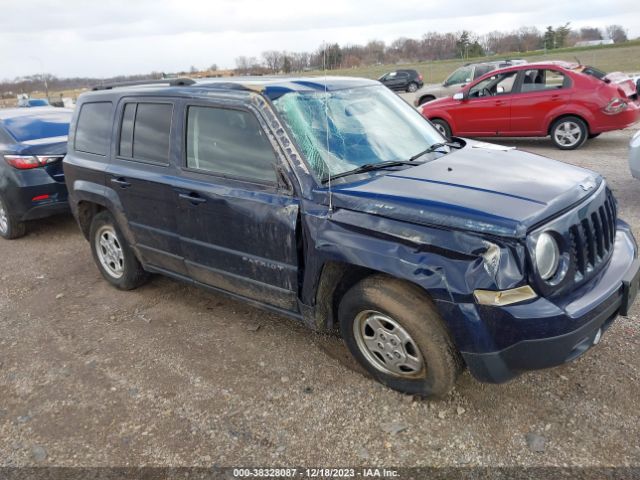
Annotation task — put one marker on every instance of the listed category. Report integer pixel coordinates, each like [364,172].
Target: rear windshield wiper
[368,167]
[435,147]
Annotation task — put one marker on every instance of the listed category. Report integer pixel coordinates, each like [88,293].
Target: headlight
[547,256]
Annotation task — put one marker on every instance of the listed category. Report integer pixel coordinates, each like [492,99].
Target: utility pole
[43,75]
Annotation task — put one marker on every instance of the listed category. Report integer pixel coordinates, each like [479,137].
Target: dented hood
[482,187]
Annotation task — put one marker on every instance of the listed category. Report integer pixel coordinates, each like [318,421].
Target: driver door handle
[121,182]
[192,197]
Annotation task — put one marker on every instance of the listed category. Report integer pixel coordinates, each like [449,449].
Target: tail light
[616,105]
[420,77]
[25,162]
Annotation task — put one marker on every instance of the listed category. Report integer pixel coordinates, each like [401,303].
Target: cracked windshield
[341,130]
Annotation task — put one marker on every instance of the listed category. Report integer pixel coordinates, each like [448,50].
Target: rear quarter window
[93,130]
[145,132]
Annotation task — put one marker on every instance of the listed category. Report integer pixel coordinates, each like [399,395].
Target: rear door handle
[192,197]
[122,182]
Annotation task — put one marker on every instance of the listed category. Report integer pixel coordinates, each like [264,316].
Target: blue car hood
[482,187]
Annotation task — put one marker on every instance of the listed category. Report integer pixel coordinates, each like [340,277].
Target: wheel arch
[554,119]
[423,98]
[336,279]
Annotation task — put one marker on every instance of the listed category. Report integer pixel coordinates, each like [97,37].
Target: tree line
[431,46]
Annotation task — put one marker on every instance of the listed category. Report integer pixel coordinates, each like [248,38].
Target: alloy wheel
[109,250]
[4,219]
[567,133]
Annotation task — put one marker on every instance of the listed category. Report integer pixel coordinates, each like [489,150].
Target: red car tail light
[25,162]
[22,162]
[616,105]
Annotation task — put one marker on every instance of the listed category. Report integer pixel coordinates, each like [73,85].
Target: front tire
[569,133]
[10,228]
[443,127]
[395,332]
[113,256]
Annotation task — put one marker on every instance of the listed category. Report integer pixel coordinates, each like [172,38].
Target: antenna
[326,117]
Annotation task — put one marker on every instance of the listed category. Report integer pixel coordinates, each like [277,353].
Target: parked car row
[569,102]
[334,202]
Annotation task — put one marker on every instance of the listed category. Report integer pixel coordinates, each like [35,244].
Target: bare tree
[273,60]
[617,33]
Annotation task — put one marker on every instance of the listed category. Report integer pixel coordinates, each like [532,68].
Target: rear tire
[569,133]
[412,87]
[443,127]
[113,256]
[394,331]
[10,228]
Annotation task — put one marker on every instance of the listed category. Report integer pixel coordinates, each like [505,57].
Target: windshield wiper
[435,147]
[368,167]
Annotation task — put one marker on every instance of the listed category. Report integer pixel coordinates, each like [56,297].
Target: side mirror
[458,96]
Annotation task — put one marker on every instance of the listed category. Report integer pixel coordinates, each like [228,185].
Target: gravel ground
[169,375]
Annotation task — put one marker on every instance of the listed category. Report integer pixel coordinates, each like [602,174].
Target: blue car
[334,202]
[33,143]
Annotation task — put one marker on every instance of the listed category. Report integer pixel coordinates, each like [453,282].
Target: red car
[567,101]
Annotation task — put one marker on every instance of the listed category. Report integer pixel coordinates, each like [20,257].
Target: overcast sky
[107,38]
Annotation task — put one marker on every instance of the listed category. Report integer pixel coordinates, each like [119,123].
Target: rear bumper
[584,319]
[34,194]
[628,117]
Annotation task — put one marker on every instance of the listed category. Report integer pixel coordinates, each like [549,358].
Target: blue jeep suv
[334,202]
[33,142]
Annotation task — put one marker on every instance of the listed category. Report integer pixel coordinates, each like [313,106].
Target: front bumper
[553,334]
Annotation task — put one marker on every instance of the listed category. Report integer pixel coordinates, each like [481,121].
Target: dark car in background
[33,142]
[402,80]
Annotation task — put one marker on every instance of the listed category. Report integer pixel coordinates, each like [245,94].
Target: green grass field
[610,58]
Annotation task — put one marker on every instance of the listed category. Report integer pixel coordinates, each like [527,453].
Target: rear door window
[93,130]
[541,79]
[481,70]
[145,132]
[461,75]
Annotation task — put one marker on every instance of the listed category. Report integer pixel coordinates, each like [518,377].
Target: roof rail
[172,82]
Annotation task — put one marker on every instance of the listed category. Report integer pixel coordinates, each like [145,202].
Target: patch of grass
[622,57]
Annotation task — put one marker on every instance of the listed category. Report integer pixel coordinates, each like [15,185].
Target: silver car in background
[459,78]
[634,155]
